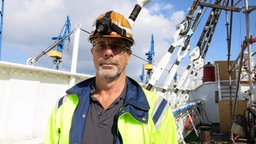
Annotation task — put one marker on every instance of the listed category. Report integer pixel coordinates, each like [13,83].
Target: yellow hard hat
[112,24]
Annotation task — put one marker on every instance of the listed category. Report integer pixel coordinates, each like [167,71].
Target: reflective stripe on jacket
[144,118]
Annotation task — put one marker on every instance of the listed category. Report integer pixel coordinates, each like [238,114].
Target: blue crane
[150,54]
[57,54]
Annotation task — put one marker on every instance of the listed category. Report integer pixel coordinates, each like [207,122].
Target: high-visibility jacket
[144,118]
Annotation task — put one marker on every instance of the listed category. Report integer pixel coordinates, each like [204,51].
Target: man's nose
[108,52]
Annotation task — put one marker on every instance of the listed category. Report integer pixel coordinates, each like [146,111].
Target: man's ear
[92,50]
[129,56]
[129,52]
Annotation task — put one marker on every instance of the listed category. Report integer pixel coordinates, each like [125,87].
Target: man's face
[110,56]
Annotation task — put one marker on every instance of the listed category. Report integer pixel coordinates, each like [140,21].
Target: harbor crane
[150,54]
[149,66]
[57,53]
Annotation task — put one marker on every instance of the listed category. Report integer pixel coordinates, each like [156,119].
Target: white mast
[251,91]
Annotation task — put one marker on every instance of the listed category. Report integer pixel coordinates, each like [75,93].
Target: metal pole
[251,92]
[75,54]
[1,28]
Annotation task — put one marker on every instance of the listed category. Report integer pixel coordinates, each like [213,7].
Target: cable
[85,31]
[140,58]
[166,69]
[237,3]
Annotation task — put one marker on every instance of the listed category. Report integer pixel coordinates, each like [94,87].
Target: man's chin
[108,74]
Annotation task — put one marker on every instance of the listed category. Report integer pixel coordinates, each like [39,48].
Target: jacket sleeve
[167,133]
[52,130]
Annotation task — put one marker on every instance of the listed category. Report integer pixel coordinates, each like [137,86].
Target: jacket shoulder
[69,98]
[151,97]
[158,107]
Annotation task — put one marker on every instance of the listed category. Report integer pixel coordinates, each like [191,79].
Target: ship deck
[214,136]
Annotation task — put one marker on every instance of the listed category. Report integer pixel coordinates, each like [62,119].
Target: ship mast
[251,91]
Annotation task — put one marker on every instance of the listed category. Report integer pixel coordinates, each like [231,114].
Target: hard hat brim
[130,40]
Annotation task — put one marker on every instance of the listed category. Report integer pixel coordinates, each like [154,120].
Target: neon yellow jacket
[145,118]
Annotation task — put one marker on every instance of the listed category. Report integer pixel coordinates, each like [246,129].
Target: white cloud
[177,16]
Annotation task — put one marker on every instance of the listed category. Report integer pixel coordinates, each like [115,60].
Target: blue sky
[30,25]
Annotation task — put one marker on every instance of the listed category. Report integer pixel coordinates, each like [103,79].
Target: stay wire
[145,60]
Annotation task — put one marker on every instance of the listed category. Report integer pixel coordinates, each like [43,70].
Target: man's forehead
[104,40]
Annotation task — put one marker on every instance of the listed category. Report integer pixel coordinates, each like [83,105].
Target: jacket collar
[135,101]
[82,87]
[135,95]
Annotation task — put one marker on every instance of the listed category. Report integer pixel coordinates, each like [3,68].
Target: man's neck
[105,83]
[107,90]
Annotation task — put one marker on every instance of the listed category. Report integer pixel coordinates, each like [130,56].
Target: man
[111,108]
